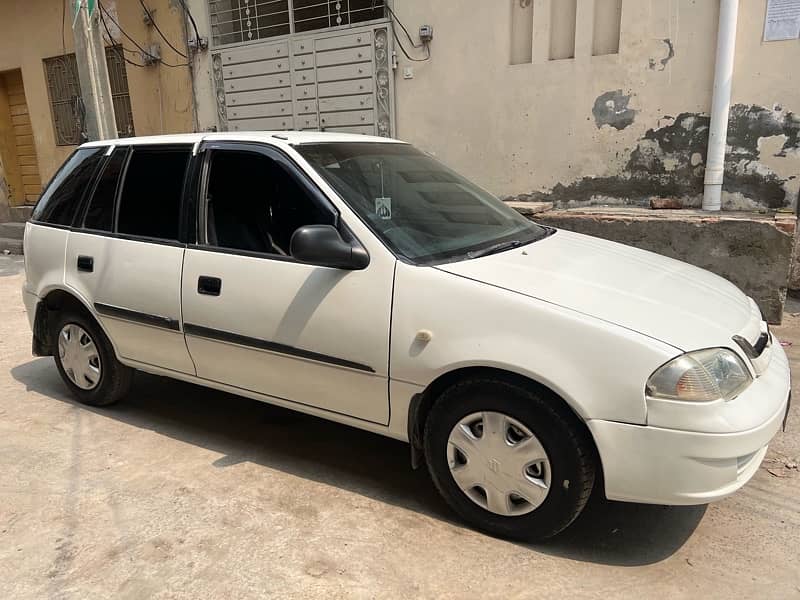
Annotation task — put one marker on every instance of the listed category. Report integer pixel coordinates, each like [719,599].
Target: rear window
[150,204]
[64,193]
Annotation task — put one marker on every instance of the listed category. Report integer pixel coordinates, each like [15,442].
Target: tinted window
[150,204]
[254,204]
[62,197]
[100,214]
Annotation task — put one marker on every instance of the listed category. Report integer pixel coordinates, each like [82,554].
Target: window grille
[118,76]
[63,86]
[236,21]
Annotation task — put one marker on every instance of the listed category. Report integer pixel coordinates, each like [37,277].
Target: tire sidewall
[97,395]
[566,495]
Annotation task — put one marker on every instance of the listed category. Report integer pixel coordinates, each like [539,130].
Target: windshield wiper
[501,247]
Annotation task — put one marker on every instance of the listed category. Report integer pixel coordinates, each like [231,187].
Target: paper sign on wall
[783,20]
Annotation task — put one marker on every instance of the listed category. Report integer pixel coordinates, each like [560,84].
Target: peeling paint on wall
[754,170]
[654,65]
[761,166]
[612,109]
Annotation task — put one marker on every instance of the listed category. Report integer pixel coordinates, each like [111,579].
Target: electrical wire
[194,25]
[394,18]
[403,27]
[115,44]
[134,42]
[155,25]
[405,52]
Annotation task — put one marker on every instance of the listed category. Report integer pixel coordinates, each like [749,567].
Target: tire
[114,379]
[569,462]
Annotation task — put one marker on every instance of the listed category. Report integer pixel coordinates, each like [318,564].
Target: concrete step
[12,230]
[20,213]
[10,246]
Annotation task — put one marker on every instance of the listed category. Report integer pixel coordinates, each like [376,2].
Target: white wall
[614,128]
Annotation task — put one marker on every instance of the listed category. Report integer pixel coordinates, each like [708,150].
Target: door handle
[86,264]
[209,286]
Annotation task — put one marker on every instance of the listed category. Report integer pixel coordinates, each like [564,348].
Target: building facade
[41,119]
[573,101]
[578,102]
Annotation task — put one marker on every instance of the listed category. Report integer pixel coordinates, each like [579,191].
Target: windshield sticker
[383,208]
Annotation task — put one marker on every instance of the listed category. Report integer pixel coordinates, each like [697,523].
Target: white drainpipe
[720,104]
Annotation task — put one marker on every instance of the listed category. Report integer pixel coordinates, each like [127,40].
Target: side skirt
[310,410]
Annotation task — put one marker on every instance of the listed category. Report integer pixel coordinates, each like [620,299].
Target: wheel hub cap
[498,463]
[79,357]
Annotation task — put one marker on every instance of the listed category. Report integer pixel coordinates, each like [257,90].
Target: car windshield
[421,209]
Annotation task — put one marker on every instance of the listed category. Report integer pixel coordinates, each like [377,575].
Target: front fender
[597,367]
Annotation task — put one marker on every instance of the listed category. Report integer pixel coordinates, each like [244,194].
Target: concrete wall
[161,97]
[608,129]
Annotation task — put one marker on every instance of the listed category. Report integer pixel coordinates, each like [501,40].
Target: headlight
[701,376]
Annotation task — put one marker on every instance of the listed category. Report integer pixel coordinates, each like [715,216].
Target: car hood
[666,299]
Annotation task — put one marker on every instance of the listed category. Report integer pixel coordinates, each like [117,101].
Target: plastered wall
[161,97]
[608,129]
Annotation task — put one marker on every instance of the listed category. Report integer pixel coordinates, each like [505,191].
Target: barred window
[64,88]
[313,14]
[118,77]
[236,21]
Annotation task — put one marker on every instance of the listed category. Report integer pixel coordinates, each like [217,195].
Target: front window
[421,209]
[253,204]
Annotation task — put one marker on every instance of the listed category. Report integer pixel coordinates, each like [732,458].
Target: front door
[258,320]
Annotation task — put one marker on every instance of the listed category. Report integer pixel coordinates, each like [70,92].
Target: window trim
[294,170]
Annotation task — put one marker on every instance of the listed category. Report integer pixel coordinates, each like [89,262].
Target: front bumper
[659,465]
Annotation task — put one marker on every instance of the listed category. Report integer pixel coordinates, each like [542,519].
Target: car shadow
[241,429]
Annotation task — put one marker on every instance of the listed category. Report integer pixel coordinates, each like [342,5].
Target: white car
[357,279]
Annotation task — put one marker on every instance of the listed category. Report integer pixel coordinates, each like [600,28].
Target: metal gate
[330,81]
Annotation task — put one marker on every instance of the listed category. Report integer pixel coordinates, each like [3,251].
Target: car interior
[254,204]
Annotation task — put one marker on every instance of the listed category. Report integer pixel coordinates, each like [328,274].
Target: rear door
[125,258]
[257,319]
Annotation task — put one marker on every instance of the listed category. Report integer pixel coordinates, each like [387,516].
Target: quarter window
[254,204]
[150,204]
[100,215]
[65,192]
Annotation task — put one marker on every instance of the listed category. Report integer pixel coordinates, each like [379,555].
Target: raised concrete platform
[752,250]
[11,238]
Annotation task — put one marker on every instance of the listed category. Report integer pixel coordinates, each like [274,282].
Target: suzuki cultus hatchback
[357,279]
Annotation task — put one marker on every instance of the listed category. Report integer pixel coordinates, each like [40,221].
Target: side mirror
[322,245]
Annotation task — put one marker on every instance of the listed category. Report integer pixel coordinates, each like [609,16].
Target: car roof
[272,137]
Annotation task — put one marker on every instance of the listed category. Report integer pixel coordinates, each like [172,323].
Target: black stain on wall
[668,162]
[612,109]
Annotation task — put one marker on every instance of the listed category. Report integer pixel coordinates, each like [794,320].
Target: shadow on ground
[241,429]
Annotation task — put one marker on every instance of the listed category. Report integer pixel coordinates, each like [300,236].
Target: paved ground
[183,492]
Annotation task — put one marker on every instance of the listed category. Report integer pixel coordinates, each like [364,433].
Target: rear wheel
[86,362]
[509,460]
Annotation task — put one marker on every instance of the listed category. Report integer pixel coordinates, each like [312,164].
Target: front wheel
[509,460]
